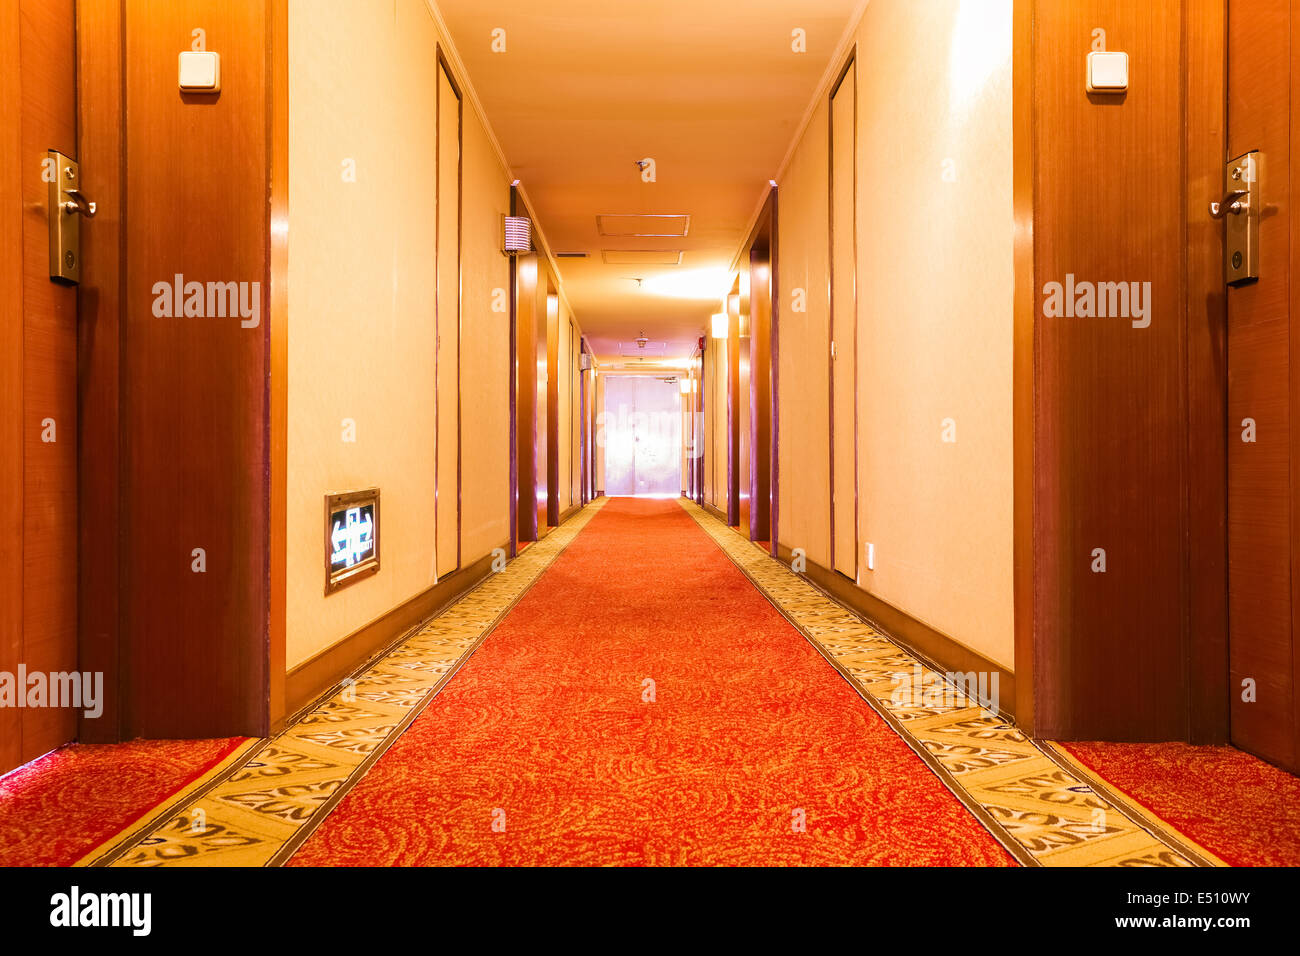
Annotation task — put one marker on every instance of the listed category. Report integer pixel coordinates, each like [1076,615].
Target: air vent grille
[642,257]
[654,226]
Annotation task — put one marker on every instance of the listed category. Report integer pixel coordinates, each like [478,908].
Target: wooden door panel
[760,394]
[1259,386]
[447,483]
[844,492]
[39,624]
[744,371]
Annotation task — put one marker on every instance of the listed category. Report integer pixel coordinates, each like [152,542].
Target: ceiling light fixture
[694,284]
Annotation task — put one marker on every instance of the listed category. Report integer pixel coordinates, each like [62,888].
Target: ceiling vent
[571,255]
[642,257]
[644,227]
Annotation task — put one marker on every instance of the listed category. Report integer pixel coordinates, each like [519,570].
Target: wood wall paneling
[45,389]
[277,219]
[1207,349]
[11,373]
[1025,312]
[1110,439]
[101,330]
[526,416]
[743,404]
[447,491]
[546,414]
[1260,386]
[842,153]
[733,396]
[760,392]
[195,410]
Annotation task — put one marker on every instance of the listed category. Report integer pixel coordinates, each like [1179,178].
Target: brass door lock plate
[67,205]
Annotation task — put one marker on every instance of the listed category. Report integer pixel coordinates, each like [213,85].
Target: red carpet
[750,730]
[1240,808]
[58,808]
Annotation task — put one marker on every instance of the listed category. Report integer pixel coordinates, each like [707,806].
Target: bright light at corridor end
[720,325]
[694,284]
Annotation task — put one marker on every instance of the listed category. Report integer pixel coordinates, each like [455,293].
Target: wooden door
[545,316]
[760,394]
[843,359]
[1263,393]
[744,410]
[38,375]
[447,477]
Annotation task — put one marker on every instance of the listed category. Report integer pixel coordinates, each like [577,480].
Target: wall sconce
[516,235]
[720,325]
[685,385]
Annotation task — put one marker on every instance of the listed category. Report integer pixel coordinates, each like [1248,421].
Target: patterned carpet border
[258,809]
[1036,801]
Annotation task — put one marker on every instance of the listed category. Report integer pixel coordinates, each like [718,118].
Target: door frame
[762,238]
[850,62]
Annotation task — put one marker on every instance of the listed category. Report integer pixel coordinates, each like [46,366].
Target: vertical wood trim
[100,333]
[582,428]
[850,63]
[1293,365]
[552,327]
[733,406]
[774,356]
[460,314]
[445,66]
[439,488]
[1205,120]
[277,232]
[11,372]
[437,306]
[1024,173]
[513,374]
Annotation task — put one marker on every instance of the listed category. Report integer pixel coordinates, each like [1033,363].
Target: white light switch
[200,72]
[1107,72]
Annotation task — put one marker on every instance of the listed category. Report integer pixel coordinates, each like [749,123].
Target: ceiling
[711,91]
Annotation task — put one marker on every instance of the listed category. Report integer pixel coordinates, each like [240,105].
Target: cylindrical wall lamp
[720,325]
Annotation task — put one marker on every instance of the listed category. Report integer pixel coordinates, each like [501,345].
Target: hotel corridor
[788,434]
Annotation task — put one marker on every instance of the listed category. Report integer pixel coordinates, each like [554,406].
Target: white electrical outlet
[871,556]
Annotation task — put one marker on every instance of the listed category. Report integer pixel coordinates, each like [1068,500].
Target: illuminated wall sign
[351,537]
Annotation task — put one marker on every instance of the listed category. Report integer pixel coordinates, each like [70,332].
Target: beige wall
[485,349]
[934,319]
[362,266]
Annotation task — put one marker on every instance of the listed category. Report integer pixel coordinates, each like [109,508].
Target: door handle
[1231,202]
[67,206]
[77,203]
[1240,210]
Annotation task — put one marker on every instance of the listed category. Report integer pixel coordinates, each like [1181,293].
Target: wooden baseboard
[934,647]
[720,515]
[312,678]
